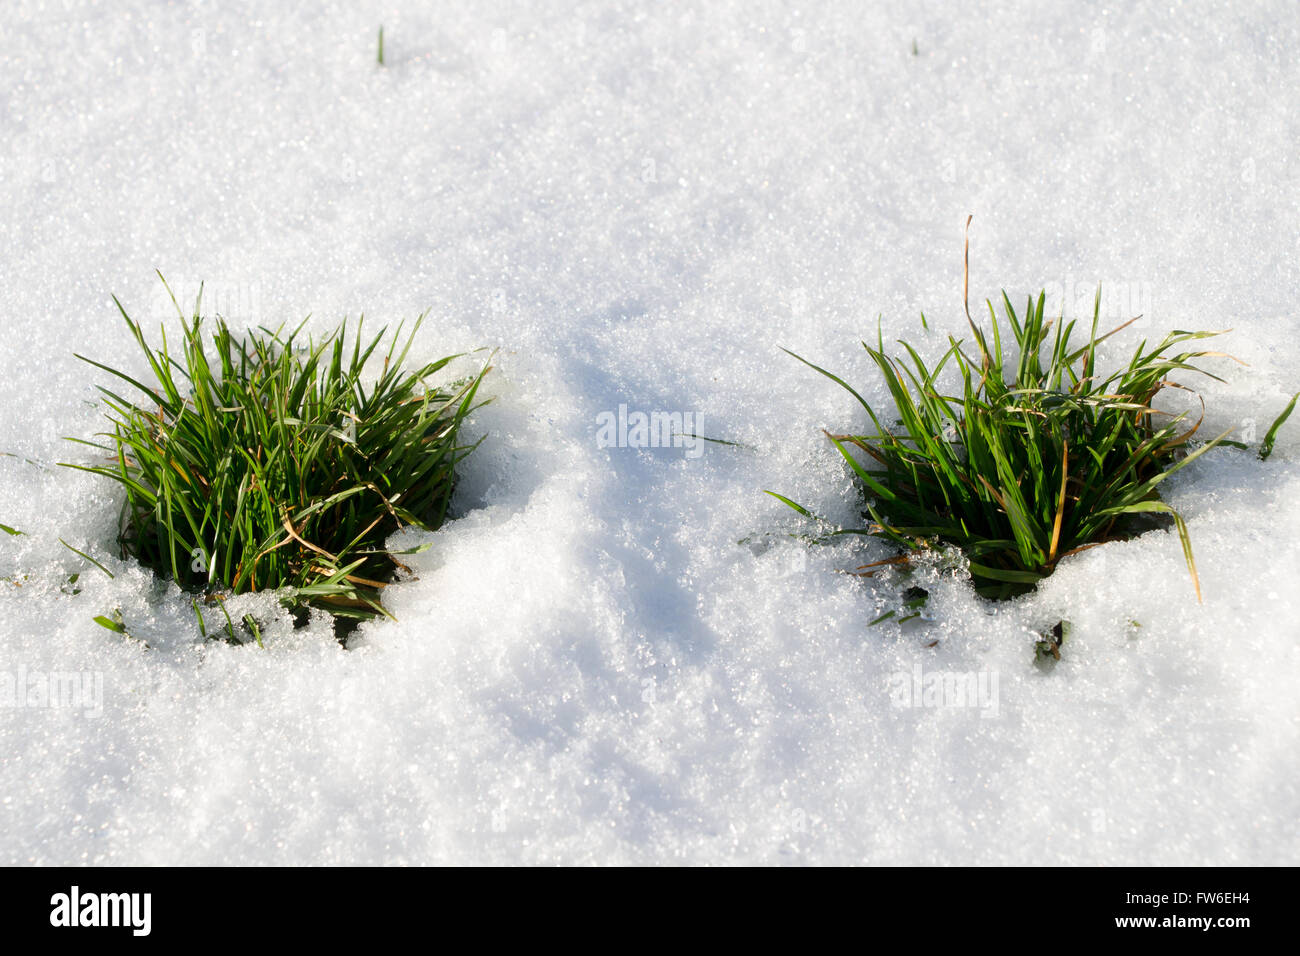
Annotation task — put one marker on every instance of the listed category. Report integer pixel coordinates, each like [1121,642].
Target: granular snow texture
[637,204]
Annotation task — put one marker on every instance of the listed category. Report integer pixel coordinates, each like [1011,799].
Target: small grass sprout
[270,461]
[1266,446]
[1039,454]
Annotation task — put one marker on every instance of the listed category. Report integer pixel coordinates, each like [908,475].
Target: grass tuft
[270,461]
[1037,456]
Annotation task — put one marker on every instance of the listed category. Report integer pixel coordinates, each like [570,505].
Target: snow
[637,204]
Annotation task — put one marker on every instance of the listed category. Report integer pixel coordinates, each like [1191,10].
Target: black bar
[929,906]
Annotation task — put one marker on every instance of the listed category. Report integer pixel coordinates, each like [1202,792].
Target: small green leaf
[797,507]
[116,627]
[86,556]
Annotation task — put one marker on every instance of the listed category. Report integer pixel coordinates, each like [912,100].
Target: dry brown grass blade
[1182,439]
[1119,328]
[1060,506]
[965,278]
[1084,547]
[354,578]
[997,495]
[252,574]
[288,526]
[862,572]
[855,440]
[343,601]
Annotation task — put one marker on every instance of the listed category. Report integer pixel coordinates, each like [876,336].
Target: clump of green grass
[1034,459]
[271,461]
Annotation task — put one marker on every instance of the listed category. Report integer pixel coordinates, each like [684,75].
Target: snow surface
[638,203]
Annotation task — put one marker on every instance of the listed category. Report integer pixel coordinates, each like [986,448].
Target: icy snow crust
[638,204]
